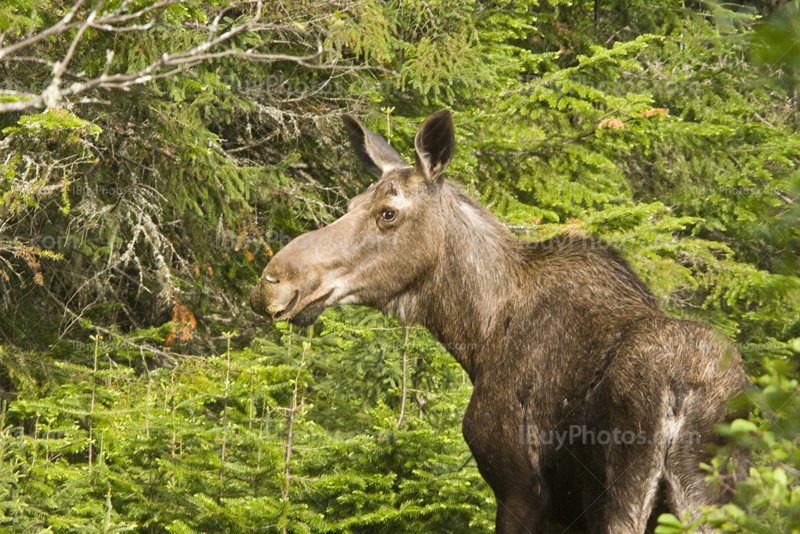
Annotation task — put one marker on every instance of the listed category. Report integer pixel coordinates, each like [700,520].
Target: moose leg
[699,400]
[688,447]
[507,462]
[632,491]
[626,453]
[522,512]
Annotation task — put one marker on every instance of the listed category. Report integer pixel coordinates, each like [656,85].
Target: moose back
[591,407]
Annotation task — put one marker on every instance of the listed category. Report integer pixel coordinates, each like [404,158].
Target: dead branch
[168,65]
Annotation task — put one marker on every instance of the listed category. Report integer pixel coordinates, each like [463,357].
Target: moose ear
[375,153]
[435,144]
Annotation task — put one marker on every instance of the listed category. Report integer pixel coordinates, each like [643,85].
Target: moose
[591,408]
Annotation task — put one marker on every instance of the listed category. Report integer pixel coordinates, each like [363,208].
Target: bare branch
[52,94]
[167,65]
[137,28]
[34,101]
[61,26]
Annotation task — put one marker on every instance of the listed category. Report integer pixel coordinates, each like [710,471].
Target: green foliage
[52,120]
[145,215]
[252,438]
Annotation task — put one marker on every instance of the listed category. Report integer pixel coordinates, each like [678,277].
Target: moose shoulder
[591,407]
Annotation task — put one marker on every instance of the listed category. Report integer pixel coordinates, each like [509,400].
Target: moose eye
[388,215]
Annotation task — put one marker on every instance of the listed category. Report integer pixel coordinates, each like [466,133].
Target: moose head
[377,252]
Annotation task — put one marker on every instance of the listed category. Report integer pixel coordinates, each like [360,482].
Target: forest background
[155,154]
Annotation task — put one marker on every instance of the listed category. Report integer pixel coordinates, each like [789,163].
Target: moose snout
[293,285]
[272,298]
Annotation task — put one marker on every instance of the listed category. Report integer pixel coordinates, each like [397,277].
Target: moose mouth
[307,314]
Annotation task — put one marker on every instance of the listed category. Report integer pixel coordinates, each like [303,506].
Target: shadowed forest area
[154,155]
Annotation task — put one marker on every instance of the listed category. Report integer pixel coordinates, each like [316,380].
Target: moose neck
[478,274]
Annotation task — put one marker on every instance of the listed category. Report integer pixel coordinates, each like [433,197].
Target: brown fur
[556,336]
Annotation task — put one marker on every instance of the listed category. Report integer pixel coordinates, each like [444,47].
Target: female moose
[591,407]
